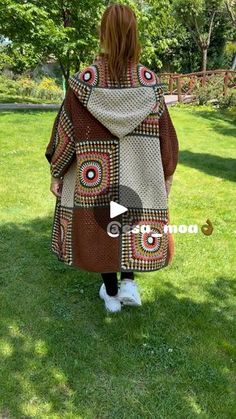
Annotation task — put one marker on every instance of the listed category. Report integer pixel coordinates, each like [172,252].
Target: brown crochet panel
[93,248]
[168,143]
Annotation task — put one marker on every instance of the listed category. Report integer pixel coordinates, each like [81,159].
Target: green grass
[62,355]
[4,98]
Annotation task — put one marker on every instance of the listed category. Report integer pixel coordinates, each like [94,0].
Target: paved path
[170,100]
[28,106]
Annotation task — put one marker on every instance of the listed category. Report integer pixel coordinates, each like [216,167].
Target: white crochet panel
[68,187]
[121,110]
[141,170]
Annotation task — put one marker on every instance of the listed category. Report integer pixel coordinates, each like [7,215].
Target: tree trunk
[66,82]
[234,63]
[204,59]
[65,71]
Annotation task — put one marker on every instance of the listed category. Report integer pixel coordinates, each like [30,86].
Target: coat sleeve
[60,150]
[168,142]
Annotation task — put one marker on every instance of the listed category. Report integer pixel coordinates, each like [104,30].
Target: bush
[24,86]
[207,93]
[227,101]
[45,89]
[212,92]
[48,89]
[8,86]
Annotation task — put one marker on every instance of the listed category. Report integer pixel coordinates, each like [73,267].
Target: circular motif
[147,77]
[94,176]
[90,173]
[150,240]
[146,246]
[150,243]
[89,75]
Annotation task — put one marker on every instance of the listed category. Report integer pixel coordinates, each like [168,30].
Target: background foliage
[67,31]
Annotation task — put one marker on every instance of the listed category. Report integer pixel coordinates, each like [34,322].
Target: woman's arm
[60,150]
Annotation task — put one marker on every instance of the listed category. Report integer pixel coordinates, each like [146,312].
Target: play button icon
[118,201]
[116,209]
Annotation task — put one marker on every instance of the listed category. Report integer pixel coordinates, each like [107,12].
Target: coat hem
[60,259]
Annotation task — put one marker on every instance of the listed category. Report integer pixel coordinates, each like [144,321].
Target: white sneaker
[129,293]
[112,303]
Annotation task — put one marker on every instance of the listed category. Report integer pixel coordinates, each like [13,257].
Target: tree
[67,29]
[231,8]
[200,18]
[157,29]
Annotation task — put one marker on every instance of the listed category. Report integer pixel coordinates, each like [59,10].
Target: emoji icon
[207,229]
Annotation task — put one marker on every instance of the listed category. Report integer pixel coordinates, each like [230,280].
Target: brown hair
[119,37]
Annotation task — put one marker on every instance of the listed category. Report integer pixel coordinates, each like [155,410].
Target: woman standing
[112,153]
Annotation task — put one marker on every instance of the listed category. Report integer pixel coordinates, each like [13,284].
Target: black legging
[111,281]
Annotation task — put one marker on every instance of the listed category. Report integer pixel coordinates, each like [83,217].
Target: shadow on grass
[63,354]
[219,118]
[222,167]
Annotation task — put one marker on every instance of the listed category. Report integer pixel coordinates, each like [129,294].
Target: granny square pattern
[143,250]
[62,233]
[141,151]
[97,173]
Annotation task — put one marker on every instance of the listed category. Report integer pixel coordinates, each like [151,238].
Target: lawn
[61,354]
[10,98]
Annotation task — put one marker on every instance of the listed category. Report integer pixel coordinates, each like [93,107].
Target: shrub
[207,93]
[24,86]
[227,101]
[8,86]
[45,89]
[211,91]
[48,89]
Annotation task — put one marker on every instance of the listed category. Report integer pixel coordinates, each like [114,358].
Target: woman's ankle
[127,279]
[112,294]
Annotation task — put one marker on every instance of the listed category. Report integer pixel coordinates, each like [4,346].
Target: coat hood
[119,109]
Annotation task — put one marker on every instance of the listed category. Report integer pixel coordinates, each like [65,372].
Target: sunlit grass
[62,355]
[9,98]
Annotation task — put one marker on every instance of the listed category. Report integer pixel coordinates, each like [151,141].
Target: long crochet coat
[113,142]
